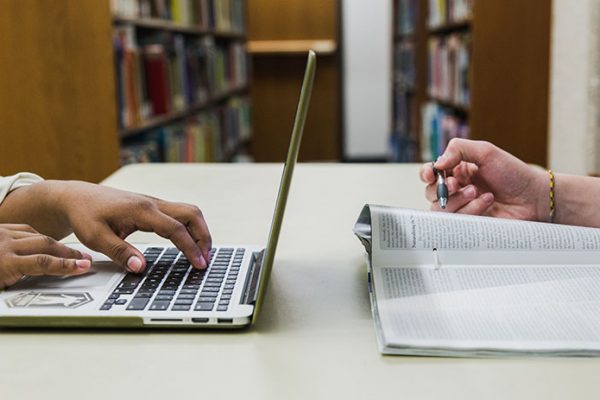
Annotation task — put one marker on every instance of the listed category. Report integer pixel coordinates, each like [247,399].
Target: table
[315,337]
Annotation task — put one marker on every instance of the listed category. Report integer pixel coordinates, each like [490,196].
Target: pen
[442,189]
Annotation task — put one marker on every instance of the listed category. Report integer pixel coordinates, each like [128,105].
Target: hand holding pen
[466,177]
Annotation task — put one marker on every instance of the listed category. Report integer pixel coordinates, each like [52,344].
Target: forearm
[37,205]
[576,200]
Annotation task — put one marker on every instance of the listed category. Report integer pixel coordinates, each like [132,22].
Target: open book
[456,285]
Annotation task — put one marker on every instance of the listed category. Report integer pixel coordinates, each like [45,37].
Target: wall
[367,48]
[574,129]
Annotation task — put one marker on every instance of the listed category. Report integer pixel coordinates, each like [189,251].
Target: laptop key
[181,307]
[124,291]
[222,308]
[160,305]
[138,303]
[120,302]
[204,306]
[186,296]
[184,301]
[105,307]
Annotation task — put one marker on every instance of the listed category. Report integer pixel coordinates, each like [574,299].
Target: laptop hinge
[250,293]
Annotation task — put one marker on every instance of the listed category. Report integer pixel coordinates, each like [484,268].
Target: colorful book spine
[168,72]
[405,65]
[449,68]
[407,16]
[219,15]
[445,12]
[438,126]
[212,135]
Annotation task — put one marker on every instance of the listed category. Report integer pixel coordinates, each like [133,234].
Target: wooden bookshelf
[145,25]
[444,29]
[57,91]
[154,122]
[292,47]
[459,108]
[508,74]
[160,24]
[157,23]
[58,98]
[279,36]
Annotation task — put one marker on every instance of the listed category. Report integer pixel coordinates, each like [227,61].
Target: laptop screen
[286,179]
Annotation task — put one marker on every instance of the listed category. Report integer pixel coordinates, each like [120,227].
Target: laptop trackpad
[102,275]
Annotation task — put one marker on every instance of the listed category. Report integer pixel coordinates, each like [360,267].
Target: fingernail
[202,262]
[86,256]
[441,159]
[83,264]
[134,264]
[470,192]
[487,197]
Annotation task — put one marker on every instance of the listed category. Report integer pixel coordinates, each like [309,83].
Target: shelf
[166,25]
[402,37]
[291,47]
[450,27]
[164,119]
[459,108]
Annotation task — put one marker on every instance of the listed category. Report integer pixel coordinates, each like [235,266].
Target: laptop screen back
[286,179]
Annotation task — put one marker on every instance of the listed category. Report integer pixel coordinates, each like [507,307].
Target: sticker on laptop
[49,300]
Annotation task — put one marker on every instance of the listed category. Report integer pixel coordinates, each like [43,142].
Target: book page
[495,308]
[405,229]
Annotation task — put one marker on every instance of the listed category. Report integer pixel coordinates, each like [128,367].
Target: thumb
[458,150]
[121,252]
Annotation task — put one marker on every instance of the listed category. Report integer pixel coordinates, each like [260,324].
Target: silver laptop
[170,293]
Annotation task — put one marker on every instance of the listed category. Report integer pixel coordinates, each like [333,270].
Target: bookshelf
[470,68]
[181,79]
[279,35]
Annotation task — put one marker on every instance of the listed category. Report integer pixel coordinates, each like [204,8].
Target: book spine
[155,64]
[439,125]
[449,68]
[445,12]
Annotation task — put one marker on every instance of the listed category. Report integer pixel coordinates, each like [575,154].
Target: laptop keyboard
[169,282]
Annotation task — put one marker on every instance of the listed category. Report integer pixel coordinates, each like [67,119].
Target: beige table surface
[315,337]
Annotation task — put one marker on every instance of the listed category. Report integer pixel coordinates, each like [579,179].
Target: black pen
[442,189]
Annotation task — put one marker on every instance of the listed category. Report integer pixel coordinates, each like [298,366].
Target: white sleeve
[10,183]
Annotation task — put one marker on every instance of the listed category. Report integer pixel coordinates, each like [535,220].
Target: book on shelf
[456,285]
[210,135]
[445,12]
[164,72]
[219,15]
[448,78]
[439,125]
[407,16]
[403,141]
[404,64]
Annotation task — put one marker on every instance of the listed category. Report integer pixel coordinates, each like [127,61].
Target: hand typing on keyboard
[101,217]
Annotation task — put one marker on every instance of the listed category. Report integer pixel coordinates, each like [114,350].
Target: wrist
[541,184]
[52,193]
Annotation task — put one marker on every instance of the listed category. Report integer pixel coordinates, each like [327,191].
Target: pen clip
[436,259]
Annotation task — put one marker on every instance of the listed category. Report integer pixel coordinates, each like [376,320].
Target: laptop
[170,292]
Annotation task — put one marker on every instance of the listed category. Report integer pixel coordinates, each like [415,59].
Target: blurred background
[89,86]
